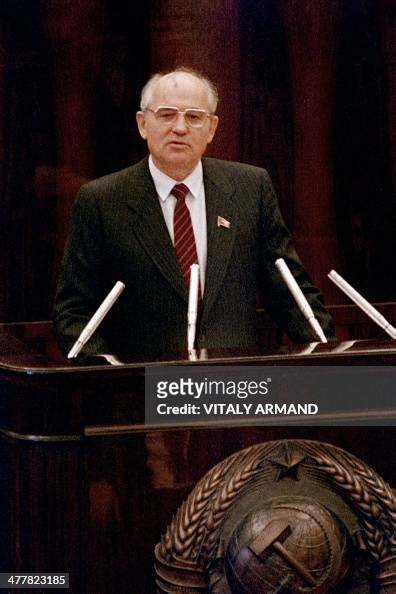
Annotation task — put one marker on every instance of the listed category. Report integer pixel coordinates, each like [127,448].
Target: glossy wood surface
[88,488]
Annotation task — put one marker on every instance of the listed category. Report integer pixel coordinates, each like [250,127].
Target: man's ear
[141,124]
[214,120]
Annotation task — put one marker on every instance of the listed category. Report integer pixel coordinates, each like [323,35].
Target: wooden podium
[88,488]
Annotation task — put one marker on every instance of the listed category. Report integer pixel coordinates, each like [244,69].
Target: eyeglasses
[195,118]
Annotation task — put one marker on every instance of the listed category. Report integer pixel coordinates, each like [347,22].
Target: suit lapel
[149,225]
[219,203]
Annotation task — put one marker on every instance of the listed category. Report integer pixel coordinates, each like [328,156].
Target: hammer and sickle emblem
[273,537]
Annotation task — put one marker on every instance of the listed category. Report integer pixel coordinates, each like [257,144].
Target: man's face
[176,148]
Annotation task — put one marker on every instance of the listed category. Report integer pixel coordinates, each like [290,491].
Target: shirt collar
[164,184]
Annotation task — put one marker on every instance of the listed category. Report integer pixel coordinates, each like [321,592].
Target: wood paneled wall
[307,90]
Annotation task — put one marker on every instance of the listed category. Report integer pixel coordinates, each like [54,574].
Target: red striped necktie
[185,247]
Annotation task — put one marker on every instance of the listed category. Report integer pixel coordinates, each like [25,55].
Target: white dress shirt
[195,202]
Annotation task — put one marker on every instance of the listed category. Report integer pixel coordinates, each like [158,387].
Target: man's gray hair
[148,89]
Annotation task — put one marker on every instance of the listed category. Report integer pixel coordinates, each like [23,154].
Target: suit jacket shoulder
[232,169]
[119,183]
[230,175]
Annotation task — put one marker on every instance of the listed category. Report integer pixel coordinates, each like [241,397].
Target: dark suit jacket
[118,233]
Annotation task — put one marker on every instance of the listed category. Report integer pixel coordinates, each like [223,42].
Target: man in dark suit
[123,227]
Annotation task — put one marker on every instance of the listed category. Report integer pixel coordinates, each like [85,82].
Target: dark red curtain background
[307,90]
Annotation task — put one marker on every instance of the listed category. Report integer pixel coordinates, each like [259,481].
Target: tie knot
[180,191]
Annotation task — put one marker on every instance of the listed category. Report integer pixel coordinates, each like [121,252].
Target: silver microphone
[96,319]
[300,298]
